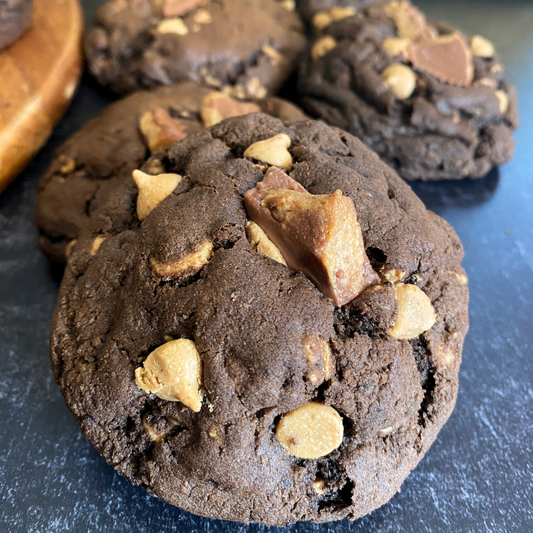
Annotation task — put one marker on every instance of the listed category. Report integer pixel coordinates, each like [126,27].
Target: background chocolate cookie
[309,8]
[90,165]
[194,287]
[15,19]
[431,102]
[250,45]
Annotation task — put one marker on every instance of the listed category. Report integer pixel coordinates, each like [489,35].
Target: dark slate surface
[479,474]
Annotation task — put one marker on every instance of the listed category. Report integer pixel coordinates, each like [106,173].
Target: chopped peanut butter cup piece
[318,235]
[410,22]
[448,58]
[173,372]
[160,130]
[217,107]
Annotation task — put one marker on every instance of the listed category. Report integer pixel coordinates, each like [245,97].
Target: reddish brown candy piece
[448,58]
[217,107]
[318,235]
[160,130]
[410,22]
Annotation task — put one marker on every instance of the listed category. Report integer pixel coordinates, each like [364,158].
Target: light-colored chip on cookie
[95,245]
[503,101]
[319,359]
[311,431]
[187,266]
[415,312]
[218,106]
[262,244]
[400,79]
[153,190]
[322,47]
[392,275]
[481,47]
[274,56]
[255,89]
[173,25]
[395,46]
[173,372]
[273,151]
[202,16]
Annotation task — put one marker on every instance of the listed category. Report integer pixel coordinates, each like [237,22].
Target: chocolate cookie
[430,101]
[89,166]
[330,9]
[209,372]
[15,19]
[250,45]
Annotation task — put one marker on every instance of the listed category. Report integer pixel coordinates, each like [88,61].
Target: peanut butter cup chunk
[317,234]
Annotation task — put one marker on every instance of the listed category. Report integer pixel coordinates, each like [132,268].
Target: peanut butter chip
[272,151]
[153,190]
[481,47]
[173,372]
[392,275]
[324,18]
[95,245]
[415,313]
[186,266]
[323,229]
[319,359]
[262,244]
[289,5]
[174,25]
[311,431]
[400,79]
[178,8]
[217,107]
[448,58]
[322,47]
[70,247]
[160,130]
[395,46]
[503,100]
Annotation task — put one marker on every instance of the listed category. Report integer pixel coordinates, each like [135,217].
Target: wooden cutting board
[38,78]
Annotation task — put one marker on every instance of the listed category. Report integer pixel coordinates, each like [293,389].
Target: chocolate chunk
[318,235]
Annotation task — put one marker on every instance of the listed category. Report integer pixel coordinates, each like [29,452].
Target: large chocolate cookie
[213,375]
[432,103]
[15,19]
[104,153]
[251,45]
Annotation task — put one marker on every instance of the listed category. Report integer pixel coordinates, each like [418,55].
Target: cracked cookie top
[103,154]
[201,344]
[248,45]
[432,102]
